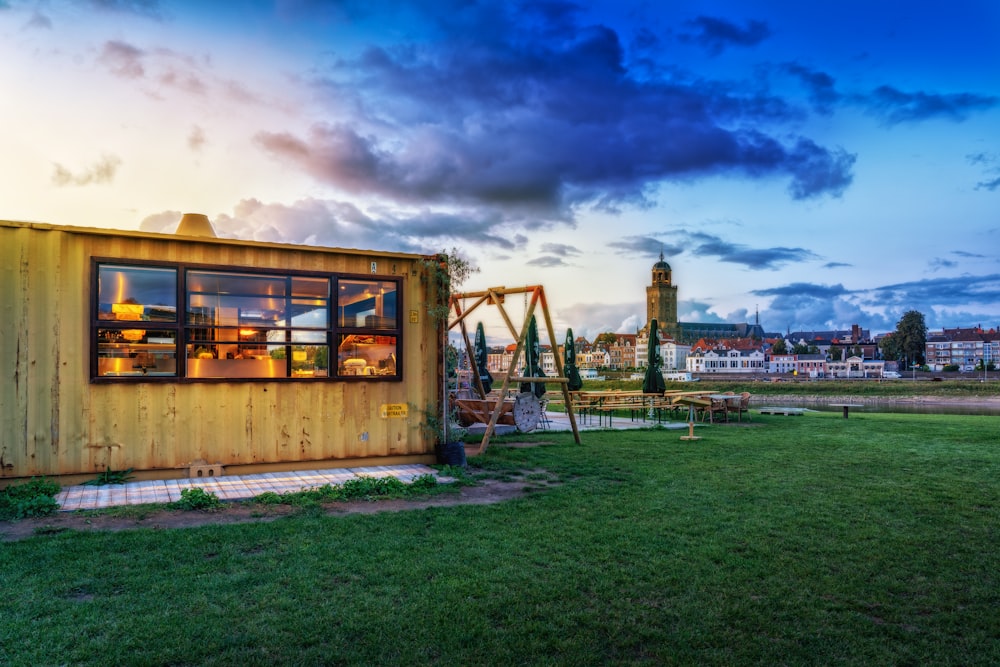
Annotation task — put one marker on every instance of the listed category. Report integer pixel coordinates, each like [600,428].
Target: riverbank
[868,399]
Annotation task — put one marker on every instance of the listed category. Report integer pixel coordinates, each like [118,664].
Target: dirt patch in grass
[515,445]
[487,491]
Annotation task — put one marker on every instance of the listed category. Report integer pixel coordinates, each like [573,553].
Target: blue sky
[823,163]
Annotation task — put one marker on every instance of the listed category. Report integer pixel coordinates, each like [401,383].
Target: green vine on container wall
[445,273]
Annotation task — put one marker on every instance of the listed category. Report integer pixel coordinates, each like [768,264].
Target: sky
[814,164]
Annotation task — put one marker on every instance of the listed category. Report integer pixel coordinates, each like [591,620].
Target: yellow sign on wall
[395,410]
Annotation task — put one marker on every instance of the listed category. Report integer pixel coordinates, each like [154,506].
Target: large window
[367,319]
[136,321]
[242,324]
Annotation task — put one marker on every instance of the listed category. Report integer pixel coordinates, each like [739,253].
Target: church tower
[661,299]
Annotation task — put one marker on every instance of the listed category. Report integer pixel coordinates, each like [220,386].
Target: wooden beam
[559,367]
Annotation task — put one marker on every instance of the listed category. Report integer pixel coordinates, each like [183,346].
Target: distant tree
[889,348]
[802,348]
[779,347]
[606,339]
[836,354]
[911,336]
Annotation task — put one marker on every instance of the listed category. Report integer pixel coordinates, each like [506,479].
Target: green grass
[806,540]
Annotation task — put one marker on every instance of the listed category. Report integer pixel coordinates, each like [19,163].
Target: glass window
[129,300]
[367,304]
[244,325]
[136,293]
[241,324]
[366,355]
[136,352]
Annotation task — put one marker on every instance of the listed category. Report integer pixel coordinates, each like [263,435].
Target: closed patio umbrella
[569,363]
[653,382]
[482,359]
[533,360]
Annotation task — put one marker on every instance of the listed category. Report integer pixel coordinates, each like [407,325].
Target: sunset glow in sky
[828,163]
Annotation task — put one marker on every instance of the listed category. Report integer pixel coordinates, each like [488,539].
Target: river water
[926,406]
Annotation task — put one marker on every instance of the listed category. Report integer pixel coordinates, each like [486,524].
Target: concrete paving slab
[229,488]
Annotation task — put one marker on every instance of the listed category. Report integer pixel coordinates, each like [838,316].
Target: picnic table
[846,407]
[605,404]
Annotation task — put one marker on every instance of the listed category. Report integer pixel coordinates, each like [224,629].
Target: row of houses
[742,355]
[839,353]
[968,348]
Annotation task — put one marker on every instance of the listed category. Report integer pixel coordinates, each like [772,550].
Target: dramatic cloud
[101,173]
[816,306]
[895,106]
[716,35]
[805,290]
[990,185]
[817,170]
[963,289]
[561,123]
[164,222]
[701,244]
[808,306]
[689,310]
[821,86]
[938,263]
[332,223]
[990,162]
[560,249]
[591,319]
[645,246]
[546,261]
[158,71]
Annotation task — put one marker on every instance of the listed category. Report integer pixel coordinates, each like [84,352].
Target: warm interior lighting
[120,284]
[248,332]
[127,311]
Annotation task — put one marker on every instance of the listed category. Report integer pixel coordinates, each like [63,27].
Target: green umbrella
[533,360]
[482,359]
[569,363]
[653,383]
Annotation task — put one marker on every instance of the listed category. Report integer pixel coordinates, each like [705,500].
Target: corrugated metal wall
[54,421]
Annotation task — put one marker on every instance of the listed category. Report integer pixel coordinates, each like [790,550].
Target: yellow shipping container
[263,356]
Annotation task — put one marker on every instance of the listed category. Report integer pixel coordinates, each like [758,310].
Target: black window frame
[182,329]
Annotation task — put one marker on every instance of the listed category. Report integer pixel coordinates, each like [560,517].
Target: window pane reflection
[366,355]
[138,293]
[136,352]
[368,304]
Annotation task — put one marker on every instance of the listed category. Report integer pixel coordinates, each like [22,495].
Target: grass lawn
[798,540]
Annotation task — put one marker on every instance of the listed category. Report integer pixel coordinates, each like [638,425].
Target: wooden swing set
[494,296]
